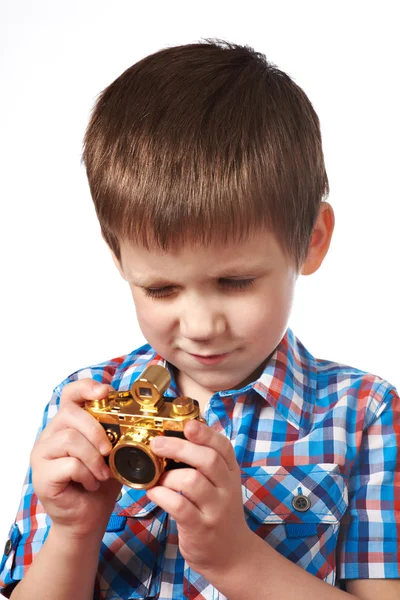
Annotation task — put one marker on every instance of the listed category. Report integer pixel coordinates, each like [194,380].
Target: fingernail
[105,471]
[158,442]
[101,390]
[194,426]
[105,448]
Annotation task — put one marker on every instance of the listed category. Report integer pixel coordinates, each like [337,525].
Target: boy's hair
[203,142]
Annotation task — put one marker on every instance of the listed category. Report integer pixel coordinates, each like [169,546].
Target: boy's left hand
[206,501]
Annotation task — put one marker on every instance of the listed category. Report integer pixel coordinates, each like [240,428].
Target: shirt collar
[288,382]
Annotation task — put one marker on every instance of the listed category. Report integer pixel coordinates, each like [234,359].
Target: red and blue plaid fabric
[318,445]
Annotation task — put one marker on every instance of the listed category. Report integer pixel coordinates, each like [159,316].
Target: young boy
[206,170]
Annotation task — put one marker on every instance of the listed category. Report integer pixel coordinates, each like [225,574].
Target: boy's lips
[210,359]
[208,354]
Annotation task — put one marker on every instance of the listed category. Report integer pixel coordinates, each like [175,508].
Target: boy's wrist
[64,568]
[236,566]
[72,540]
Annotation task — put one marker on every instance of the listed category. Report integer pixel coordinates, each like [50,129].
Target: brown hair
[205,141]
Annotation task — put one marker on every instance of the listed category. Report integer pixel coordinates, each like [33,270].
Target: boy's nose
[198,321]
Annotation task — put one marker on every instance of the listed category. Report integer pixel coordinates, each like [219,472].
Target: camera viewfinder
[146,392]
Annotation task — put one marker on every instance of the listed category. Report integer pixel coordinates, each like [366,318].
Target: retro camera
[133,418]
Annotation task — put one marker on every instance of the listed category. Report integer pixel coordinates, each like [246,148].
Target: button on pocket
[301,503]
[269,492]
[297,511]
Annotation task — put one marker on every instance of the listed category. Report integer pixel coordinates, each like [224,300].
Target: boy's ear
[321,239]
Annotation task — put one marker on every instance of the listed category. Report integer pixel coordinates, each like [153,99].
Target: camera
[131,419]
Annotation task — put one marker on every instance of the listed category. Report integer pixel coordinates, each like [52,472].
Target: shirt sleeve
[370,531]
[31,526]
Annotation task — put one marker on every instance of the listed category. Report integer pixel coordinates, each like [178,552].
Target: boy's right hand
[69,474]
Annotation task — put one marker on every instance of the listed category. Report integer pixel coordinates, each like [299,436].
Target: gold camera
[132,419]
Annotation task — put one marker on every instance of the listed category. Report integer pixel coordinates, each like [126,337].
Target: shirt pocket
[132,550]
[297,510]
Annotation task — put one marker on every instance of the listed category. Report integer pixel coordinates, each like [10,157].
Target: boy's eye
[158,292]
[237,284]
[234,284]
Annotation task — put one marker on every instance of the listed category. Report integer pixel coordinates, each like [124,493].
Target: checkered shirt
[317,443]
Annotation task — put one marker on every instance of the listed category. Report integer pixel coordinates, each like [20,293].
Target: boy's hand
[69,474]
[206,502]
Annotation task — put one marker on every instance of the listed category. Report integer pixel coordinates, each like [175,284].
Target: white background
[63,304]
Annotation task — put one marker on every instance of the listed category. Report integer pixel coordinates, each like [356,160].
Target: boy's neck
[188,387]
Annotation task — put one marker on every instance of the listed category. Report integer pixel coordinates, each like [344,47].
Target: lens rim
[158,462]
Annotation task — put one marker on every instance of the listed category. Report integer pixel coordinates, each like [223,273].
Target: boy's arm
[216,541]
[69,494]
[266,575]
[66,568]
[370,589]
[63,569]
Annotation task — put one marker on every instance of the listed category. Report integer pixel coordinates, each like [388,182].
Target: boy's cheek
[152,312]
[154,323]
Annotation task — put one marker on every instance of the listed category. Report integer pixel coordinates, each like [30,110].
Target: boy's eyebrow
[234,271]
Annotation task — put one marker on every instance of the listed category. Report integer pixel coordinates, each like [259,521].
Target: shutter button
[8,547]
[301,503]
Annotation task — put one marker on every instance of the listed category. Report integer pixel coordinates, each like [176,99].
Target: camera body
[133,418]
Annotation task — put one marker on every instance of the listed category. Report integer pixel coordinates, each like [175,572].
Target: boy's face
[232,300]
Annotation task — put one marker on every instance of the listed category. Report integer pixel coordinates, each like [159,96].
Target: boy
[206,170]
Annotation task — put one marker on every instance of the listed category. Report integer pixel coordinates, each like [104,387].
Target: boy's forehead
[253,254]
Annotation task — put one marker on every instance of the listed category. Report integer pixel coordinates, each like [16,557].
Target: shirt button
[301,503]
[8,547]
[119,496]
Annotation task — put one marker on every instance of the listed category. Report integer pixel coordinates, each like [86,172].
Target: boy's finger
[85,389]
[193,485]
[60,472]
[176,505]
[74,417]
[205,436]
[69,442]
[205,459]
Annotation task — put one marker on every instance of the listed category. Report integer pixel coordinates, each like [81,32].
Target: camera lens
[134,465]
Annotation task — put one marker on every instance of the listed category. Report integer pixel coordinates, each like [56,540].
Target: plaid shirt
[317,443]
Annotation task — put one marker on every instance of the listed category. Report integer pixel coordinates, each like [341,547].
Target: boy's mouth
[210,359]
